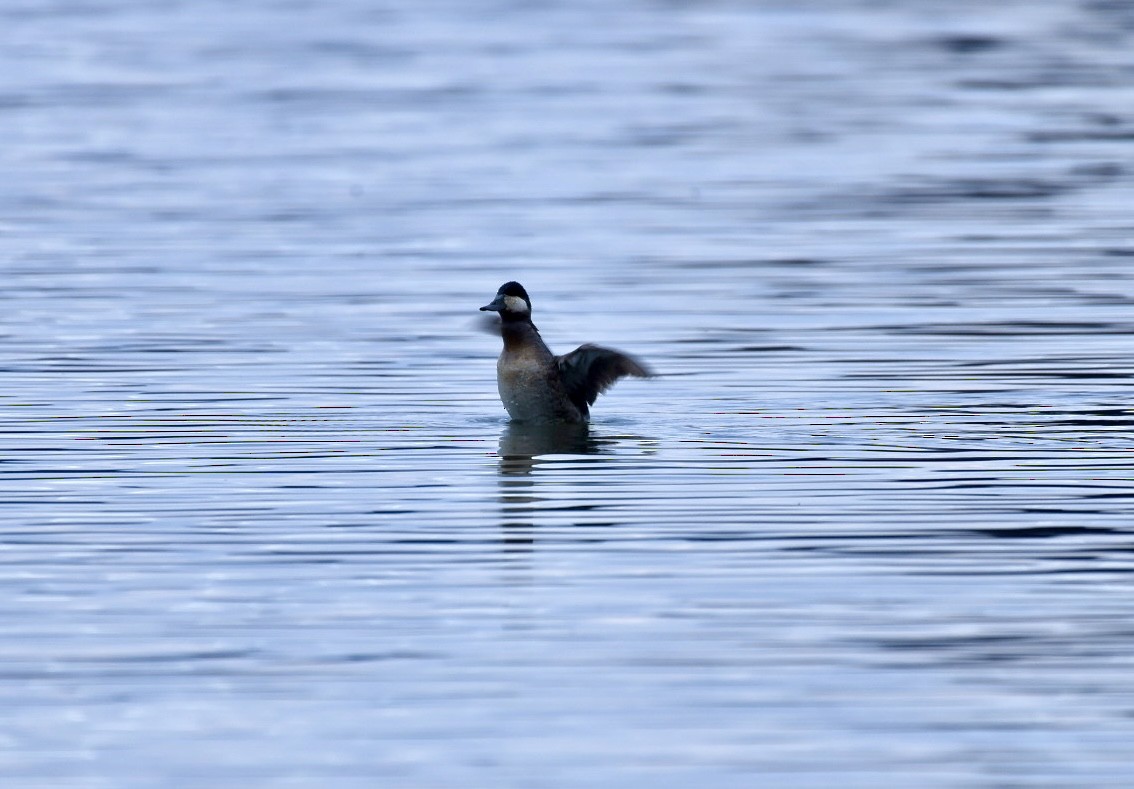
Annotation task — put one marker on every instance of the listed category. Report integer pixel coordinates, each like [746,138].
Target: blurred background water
[265,523]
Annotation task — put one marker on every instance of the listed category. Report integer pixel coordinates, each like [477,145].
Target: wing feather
[589,370]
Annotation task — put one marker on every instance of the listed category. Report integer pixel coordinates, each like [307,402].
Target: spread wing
[589,370]
[489,323]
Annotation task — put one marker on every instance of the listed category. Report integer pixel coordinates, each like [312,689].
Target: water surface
[265,522]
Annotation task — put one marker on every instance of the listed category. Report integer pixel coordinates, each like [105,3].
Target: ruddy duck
[538,386]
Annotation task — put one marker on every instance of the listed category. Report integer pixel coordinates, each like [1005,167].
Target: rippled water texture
[265,523]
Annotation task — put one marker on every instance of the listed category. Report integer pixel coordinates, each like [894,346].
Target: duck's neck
[521,334]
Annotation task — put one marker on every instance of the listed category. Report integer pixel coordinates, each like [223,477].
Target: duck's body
[528,378]
[538,386]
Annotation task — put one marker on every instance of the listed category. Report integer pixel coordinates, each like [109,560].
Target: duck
[536,386]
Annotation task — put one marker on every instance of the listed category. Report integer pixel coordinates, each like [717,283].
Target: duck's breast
[530,389]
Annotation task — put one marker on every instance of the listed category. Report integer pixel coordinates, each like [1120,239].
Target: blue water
[265,522]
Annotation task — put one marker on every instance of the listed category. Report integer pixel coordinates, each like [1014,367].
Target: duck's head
[511,302]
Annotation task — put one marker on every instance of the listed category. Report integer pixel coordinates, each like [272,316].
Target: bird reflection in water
[523,447]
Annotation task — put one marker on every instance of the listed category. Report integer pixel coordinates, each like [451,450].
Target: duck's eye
[515,304]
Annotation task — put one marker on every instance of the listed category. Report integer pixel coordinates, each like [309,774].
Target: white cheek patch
[515,304]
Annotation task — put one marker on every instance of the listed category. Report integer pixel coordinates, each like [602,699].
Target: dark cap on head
[514,289]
